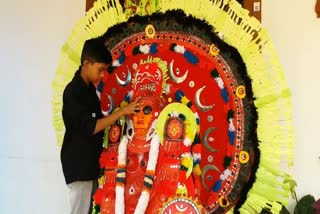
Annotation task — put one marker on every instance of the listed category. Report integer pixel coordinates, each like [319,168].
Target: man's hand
[132,108]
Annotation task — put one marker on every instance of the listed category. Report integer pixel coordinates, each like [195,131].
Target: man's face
[96,71]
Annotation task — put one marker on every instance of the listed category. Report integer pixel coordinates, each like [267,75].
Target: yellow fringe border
[275,130]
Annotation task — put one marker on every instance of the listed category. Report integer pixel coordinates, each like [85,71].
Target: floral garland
[196,145]
[148,177]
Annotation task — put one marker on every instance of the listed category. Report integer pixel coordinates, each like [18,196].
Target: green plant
[305,205]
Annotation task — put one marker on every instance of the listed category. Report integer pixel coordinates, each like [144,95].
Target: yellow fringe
[238,29]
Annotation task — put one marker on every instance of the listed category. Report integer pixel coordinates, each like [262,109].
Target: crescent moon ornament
[106,113]
[204,171]
[181,209]
[124,82]
[198,102]
[206,141]
[174,77]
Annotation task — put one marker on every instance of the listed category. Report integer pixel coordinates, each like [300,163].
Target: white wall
[295,32]
[32,33]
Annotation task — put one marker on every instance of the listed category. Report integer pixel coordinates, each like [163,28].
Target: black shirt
[81,148]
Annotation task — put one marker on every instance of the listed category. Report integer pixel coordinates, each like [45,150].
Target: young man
[84,122]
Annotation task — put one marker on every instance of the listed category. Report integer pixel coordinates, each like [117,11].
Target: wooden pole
[317,8]
[89,4]
[254,7]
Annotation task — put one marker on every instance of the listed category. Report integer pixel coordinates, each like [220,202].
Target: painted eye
[131,190]
[143,163]
[209,177]
[147,109]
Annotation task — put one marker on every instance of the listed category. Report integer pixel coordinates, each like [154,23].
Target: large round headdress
[221,63]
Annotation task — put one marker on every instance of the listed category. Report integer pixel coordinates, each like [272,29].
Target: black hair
[94,50]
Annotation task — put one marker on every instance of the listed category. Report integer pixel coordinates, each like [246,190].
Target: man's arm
[103,123]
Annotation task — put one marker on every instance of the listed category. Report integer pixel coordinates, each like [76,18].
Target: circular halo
[180,108]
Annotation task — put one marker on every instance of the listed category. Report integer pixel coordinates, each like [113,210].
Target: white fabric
[80,196]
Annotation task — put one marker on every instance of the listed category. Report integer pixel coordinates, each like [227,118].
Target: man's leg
[94,189]
[80,193]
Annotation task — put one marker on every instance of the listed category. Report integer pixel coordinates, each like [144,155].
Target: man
[84,122]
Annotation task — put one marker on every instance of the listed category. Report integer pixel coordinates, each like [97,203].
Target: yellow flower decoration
[101,181]
[244,157]
[241,91]
[214,50]
[187,162]
[182,190]
[185,100]
[150,31]
[197,170]
[223,201]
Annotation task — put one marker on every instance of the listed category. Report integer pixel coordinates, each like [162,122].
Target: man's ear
[86,63]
